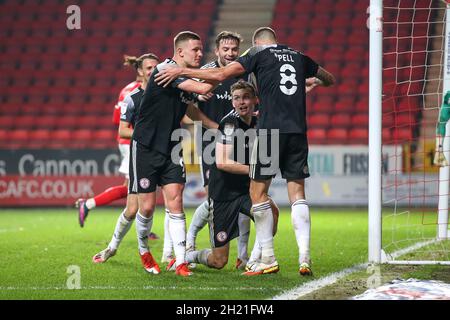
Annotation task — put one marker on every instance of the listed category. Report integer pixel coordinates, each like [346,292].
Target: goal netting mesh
[413,55]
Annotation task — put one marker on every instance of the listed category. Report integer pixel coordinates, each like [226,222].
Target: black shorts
[131,180]
[291,157]
[151,169]
[224,226]
[206,170]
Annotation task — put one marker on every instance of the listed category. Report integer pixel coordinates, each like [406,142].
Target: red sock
[111,194]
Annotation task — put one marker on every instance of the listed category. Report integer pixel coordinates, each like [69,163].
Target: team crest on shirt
[123,107]
[222,236]
[144,183]
[228,129]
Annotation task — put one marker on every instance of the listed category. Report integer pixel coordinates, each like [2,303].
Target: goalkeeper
[444,116]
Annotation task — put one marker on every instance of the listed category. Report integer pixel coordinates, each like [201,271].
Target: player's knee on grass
[218,257]
[218,261]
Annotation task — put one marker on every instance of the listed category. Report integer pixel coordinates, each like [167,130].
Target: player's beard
[224,62]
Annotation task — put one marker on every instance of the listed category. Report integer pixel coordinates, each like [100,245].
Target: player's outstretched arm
[195,114]
[214,75]
[324,78]
[125,130]
[224,161]
[193,86]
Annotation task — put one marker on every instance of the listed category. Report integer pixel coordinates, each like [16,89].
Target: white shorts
[125,155]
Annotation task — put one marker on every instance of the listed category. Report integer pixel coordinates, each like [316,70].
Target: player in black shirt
[159,115]
[216,105]
[282,76]
[229,180]
[145,65]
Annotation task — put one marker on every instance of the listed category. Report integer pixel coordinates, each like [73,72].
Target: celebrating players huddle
[249,150]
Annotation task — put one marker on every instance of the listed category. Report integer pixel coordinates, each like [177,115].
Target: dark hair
[228,35]
[184,36]
[264,32]
[243,85]
[137,62]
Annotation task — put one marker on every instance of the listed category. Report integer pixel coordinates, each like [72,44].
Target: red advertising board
[29,191]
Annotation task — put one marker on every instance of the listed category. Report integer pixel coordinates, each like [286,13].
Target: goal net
[414,193]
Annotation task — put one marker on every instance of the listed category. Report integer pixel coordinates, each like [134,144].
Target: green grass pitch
[38,246]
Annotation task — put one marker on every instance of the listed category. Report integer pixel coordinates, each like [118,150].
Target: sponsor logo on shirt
[225,96]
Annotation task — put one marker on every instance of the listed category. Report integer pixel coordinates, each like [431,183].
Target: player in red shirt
[117,192]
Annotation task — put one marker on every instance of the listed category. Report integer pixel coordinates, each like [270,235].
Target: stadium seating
[57,83]
[58,79]
[338,40]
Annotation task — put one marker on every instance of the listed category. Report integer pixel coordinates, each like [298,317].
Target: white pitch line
[314,285]
[12,230]
[11,288]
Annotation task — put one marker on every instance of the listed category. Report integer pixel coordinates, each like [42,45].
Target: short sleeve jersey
[117,107]
[131,103]
[280,76]
[161,112]
[225,186]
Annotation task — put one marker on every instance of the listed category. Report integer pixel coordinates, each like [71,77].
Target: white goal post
[405,227]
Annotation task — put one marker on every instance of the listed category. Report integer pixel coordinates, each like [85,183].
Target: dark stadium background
[59,86]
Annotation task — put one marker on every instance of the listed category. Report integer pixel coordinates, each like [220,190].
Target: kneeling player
[229,179]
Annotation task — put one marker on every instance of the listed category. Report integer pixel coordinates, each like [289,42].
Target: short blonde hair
[243,85]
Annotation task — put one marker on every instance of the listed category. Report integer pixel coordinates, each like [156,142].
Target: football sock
[90,203]
[198,256]
[262,213]
[177,229]
[302,227]
[244,233]
[122,227]
[167,250]
[256,252]
[199,219]
[143,227]
[108,196]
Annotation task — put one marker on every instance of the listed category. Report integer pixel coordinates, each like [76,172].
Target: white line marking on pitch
[314,285]
[138,288]
[12,230]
